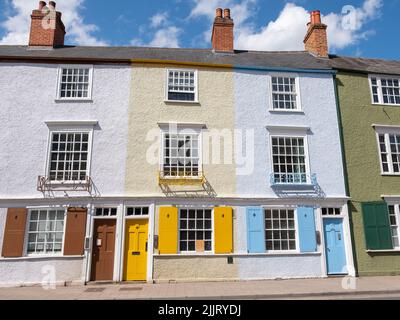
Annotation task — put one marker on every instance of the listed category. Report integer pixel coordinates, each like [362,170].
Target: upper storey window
[285,93]
[182,85]
[385,90]
[75,83]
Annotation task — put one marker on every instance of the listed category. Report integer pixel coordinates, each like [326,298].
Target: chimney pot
[227,13]
[52,5]
[42,4]
[218,13]
[316,17]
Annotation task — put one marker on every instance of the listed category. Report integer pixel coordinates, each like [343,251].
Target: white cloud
[288,30]
[167,37]
[158,19]
[78,32]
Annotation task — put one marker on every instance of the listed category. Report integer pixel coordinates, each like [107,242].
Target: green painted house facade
[369,105]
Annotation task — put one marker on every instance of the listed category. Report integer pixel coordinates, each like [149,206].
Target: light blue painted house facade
[294,212]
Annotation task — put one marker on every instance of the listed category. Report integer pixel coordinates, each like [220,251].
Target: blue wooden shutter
[307,232]
[255,230]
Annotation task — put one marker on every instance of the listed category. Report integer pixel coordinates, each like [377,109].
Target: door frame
[150,245]
[99,218]
[90,234]
[351,272]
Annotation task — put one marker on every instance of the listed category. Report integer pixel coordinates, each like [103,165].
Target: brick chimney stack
[47,29]
[222,34]
[316,39]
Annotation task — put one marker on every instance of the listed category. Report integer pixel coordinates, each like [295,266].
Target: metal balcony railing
[45,184]
[293,179]
[180,177]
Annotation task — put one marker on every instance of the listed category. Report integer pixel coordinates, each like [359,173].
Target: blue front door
[334,246]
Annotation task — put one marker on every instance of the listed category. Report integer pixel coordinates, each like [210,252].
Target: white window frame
[66,129]
[329,216]
[386,131]
[104,217]
[397,214]
[181,129]
[133,217]
[379,83]
[212,251]
[296,226]
[26,240]
[74,66]
[196,92]
[298,94]
[295,134]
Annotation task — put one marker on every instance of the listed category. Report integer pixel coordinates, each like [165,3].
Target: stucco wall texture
[147,108]
[24,134]
[363,165]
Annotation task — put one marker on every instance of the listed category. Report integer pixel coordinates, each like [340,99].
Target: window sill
[385,104]
[73,100]
[383,251]
[41,257]
[195,103]
[278,111]
[265,254]
[390,174]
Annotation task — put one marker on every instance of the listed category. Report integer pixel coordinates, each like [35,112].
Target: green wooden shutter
[377,226]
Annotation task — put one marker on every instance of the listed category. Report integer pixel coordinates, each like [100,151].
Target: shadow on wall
[50,192]
[310,191]
[205,190]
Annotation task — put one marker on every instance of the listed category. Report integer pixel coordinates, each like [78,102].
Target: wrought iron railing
[277,179]
[180,177]
[46,184]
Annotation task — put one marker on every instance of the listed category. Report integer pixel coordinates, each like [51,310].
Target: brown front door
[103,249]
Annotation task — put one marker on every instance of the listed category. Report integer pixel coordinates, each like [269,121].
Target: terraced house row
[151,164]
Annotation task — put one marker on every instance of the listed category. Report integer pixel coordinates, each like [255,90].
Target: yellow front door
[136,250]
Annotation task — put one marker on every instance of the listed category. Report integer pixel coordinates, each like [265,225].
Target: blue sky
[367,28]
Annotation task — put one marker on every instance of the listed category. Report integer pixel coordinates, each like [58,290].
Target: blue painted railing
[292,179]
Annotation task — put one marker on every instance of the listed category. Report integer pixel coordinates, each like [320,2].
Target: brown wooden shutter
[75,232]
[14,233]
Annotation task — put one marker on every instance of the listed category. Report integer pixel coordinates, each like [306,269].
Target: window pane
[46,229]
[279,230]
[68,157]
[181,85]
[284,93]
[198,221]
[74,83]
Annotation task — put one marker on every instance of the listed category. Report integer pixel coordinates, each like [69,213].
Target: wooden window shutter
[377,226]
[223,226]
[168,230]
[255,230]
[14,233]
[75,232]
[307,231]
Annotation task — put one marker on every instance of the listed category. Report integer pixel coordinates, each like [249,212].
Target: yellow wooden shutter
[168,230]
[223,226]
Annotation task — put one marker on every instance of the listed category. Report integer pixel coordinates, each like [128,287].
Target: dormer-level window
[75,83]
[182,85]
[385,90]
[285,93]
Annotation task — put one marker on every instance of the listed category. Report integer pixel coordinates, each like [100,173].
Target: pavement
[322,288]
